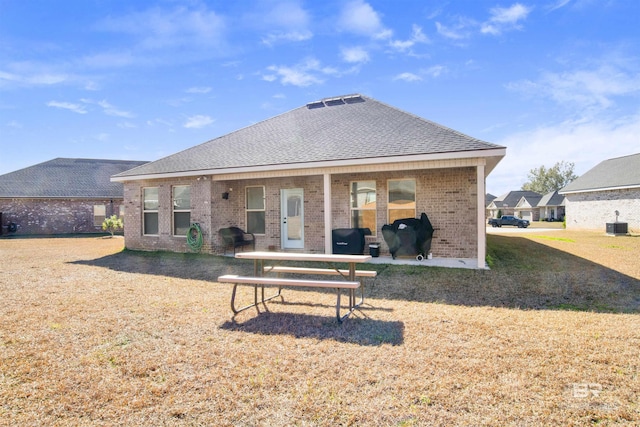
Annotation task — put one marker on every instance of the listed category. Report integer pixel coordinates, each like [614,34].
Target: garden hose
[194,237]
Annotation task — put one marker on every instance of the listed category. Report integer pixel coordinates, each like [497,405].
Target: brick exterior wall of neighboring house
[54,216]
[447,196]
[593,210]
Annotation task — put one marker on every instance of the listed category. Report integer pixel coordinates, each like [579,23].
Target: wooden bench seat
[306,270]
[281,282]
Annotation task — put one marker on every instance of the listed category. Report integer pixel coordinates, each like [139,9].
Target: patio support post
[482,232]
[327,214]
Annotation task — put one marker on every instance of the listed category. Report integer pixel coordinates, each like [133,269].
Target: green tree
[543,180]
[112,224]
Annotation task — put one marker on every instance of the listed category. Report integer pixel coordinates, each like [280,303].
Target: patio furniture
[235,237]
[409,237]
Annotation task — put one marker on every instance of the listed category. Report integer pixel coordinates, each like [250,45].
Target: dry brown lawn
[94,335]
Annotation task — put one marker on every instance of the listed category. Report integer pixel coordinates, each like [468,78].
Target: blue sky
[552,80]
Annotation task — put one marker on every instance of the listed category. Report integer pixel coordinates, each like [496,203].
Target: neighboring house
[527,207]
[607,193]
[61,196]
[552,207]
[343,162]
[488,198]
[507,204]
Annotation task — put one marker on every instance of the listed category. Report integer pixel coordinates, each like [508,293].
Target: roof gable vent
[337,100]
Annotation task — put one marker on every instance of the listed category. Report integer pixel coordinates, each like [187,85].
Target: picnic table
[271,262]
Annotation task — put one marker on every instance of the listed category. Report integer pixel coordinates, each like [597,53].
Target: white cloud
[583,143]
[110,110]
[355,54]
[76,108]
[200,89]
[408,77]
[417,36]
[559,4]
[461,29]
[503,19]
[584,89]
[306,73]
[359,17]
[32,78]
[198,121]
[290,36]
[435,71]
[159,28]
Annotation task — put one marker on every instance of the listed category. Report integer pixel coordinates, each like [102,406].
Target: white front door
[292,213]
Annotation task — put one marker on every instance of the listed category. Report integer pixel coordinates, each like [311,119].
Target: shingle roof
[552,199]
[349,127]
[512,198]
[66,178]
[620,172]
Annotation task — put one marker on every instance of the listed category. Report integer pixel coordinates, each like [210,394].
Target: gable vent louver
[338,100]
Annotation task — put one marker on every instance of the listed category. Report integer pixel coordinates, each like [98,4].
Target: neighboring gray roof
[66,178]
[351,127]
[532,199]
[620,172]
[488,198]
[552,199]
[512,198]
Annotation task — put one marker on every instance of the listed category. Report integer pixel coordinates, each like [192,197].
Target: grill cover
[409,236]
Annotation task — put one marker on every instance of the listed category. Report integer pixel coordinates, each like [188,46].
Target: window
[99,215]
[402,199]
[181,209]
[121,212]
[255,210]
[363,205]
[150,211]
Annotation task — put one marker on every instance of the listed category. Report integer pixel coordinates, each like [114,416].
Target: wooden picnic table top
[297,256]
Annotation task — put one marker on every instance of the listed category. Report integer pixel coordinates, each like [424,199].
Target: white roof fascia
[497,152]
[592,190]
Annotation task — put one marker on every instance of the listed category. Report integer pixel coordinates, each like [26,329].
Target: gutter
[497,152]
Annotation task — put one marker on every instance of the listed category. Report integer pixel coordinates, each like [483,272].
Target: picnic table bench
[347,282]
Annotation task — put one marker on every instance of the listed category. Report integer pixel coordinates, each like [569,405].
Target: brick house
[61,196]
[342,162]
[514,203]
[607,193]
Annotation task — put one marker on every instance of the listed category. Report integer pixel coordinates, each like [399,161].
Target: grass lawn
[96,335]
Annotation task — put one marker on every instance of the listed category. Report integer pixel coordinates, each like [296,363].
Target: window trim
[247,210]
[374,209]
[150,211]
[103,216]
[174,210]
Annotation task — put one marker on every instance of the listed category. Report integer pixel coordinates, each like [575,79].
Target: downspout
[327,213]
[482,231]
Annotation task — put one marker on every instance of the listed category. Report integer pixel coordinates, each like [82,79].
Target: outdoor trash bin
[374,249]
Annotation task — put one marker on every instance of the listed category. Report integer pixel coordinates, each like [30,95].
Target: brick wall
[593,210]
[447,196]
[54,216]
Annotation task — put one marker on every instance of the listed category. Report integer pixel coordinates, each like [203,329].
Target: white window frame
[99,215]
[150,211]
[179,211]
[361,209]
[249,210]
